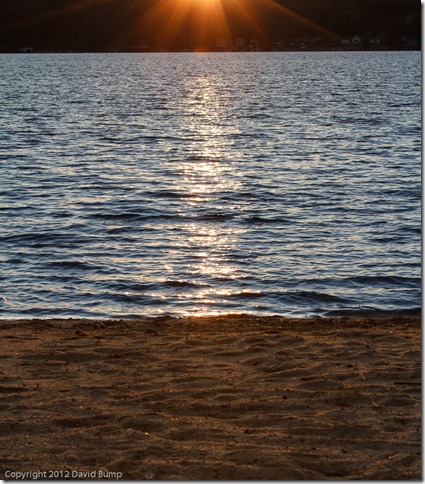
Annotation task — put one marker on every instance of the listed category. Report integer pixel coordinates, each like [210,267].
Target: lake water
[176,184]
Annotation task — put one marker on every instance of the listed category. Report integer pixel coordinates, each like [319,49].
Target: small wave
[119,286]
[61,214]
[15,261]
[117,230]
[115,216]
[180,284]
[246,295]
[141,300]
[203,158]
[130,298]
[101,187]
[109,139]
[413,230]
[386,240]
[34,237]
[239,196]
[216,217]
[132,216]
[402,105]
[171,194]
[257,220]
[71,264]
[137,288]
[314,297]
[380,281]
[358,121]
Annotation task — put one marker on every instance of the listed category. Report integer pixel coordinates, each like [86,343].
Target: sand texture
[213,398]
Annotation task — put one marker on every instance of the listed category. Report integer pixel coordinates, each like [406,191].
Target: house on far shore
[254,45]
[409,43]
[220,43]
[26,50]
[239,43]
[356,40]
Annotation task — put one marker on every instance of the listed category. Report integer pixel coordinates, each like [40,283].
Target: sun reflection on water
[209,180]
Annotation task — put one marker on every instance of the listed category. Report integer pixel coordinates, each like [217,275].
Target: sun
[197,22]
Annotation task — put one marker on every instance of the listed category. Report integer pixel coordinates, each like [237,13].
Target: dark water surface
[183,184]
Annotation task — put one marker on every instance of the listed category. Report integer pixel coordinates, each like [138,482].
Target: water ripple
[190,184]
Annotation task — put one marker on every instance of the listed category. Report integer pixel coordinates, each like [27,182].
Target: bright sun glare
[208,20]
[203,24]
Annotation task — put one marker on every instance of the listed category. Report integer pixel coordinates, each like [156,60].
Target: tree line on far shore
[118,25]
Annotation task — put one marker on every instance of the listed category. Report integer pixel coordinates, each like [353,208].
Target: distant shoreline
[141,51]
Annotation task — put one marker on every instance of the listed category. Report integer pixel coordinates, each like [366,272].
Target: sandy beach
[226,398]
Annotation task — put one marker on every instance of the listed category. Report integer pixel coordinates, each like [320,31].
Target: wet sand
[224,398]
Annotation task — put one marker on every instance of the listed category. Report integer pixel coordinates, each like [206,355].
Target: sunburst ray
[204,21]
